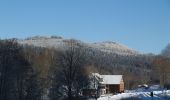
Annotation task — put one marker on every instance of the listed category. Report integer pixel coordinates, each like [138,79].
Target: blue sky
[143,25]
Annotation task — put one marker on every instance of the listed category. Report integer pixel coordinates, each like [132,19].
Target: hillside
[45,59]
[59,42]
[103,57]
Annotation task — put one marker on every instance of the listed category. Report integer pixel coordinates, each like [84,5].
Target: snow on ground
[140,94]
[118,96]
[158,95]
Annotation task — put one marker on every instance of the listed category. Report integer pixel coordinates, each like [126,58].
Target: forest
[38,73]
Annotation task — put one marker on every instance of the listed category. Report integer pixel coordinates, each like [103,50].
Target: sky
[143,25]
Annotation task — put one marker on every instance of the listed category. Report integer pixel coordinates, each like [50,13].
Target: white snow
[142,94]
[111,79]
[108,79]
[118,96]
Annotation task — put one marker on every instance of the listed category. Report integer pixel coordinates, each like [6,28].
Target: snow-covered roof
[108,79]
[111,79]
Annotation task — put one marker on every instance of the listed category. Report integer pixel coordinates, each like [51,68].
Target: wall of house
[122,87]
[112,89]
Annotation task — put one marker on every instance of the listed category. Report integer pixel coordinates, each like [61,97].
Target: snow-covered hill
[114,47]
[59,42]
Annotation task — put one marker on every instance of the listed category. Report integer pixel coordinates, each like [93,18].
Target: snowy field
[118,96]
[140,94]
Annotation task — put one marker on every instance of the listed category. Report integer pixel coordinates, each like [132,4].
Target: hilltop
[59,42]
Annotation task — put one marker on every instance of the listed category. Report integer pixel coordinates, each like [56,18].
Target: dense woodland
[37,73]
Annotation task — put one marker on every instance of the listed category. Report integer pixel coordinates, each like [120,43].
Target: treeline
[37,73]
[17,77]
[136,69]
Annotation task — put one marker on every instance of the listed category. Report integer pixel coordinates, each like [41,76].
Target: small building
[112,84]
[104,84]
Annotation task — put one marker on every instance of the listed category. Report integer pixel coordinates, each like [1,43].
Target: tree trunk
[69,93]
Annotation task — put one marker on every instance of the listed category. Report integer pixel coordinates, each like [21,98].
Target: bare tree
[17,77]
[162,67]
[70,74]
[13,69]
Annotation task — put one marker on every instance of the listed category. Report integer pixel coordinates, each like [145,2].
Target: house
[104,84]
[110,84]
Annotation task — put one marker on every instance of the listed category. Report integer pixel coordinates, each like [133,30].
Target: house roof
[111,79]
[108,79]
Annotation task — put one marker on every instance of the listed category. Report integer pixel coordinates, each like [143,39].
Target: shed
[104,84]
[112,83]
